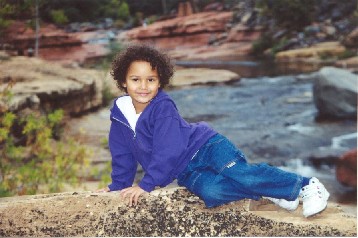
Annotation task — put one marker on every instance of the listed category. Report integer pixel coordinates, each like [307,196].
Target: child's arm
[170,140]
[124,166]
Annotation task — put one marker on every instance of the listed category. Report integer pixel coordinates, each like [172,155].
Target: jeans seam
[297,186]
[194,181]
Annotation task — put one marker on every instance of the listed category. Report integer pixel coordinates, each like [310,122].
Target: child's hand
[103,190]
[133,194]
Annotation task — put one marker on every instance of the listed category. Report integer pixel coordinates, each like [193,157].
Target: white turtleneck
[127,108]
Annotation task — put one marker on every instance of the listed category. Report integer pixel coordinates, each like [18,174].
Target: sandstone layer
[173,212]
[41,85]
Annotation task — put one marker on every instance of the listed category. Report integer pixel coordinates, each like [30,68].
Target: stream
[270,118]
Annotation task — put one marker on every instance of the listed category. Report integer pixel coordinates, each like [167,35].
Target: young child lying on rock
[147,129]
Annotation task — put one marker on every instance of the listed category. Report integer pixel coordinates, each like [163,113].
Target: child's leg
[264,180]
[219,174]
[257,180]
[214,189]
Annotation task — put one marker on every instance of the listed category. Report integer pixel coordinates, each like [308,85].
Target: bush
[263,43]
[292,14]
[35,159]
[59,17]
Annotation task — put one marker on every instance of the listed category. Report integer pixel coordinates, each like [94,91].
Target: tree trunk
[37,22]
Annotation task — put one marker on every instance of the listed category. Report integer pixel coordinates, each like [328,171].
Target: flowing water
[271,119]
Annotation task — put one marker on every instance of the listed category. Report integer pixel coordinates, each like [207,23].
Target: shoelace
[312,190]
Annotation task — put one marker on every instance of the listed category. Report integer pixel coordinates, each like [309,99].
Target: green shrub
[59,17]
[292,14]
[263,43]
[34,161]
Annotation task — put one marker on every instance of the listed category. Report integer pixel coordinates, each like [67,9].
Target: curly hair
[139,52]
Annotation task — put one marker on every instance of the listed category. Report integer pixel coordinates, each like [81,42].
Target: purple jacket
[162,143]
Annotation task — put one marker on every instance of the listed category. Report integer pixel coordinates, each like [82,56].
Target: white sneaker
[288,205]
[314,197]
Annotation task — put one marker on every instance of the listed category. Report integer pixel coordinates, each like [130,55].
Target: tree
[37,27]
[6,9]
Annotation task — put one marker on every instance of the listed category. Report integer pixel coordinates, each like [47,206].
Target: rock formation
[41,85]
[197,36]
[46,86]
[335,93]
[54,44]
[346,169]
[162,213]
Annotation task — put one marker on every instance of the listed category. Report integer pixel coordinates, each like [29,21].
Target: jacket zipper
[125,124]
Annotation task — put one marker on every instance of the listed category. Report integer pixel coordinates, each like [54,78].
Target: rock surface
[196,76]
[315,51]
[346,170]
[54,43]
[197,36]
[335,93]
[162,213]
[41,85]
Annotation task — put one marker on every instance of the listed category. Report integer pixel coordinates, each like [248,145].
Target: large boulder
[335,93]
[41,85]
[164,213]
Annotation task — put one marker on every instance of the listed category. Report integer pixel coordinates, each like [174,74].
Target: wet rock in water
[335,93]
[164,212]
[346,170]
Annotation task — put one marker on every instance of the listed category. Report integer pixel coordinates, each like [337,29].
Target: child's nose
[144,84]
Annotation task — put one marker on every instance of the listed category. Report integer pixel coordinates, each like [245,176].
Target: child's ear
[124,85]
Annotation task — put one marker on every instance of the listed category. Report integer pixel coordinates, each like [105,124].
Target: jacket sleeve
[170,139]
[124,166]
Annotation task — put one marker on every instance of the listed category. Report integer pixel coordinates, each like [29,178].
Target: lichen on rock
[164,212]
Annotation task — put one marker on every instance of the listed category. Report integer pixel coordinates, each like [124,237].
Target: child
[147,128]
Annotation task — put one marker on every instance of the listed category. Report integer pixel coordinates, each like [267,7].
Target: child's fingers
[103,190]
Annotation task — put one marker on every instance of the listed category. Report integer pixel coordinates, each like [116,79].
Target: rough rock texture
[195,76]
[40,85]
[202,35]
[346,169]
[205,22]
[335,93]
[54,43]
[315,51]
[22,37]
[173,212]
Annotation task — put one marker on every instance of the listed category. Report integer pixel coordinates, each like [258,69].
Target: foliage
[35,159]
[59,17]
[292,14]
[6,9]
[117,10]
[347,54]
[263,43]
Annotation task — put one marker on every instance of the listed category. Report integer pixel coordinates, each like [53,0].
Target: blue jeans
[219,174]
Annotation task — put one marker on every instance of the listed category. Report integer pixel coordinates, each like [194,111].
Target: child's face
[142,84]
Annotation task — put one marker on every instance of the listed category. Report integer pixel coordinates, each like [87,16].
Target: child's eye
[134,79]
[152,79]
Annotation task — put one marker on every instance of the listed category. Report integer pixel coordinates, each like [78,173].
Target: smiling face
[142,84]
